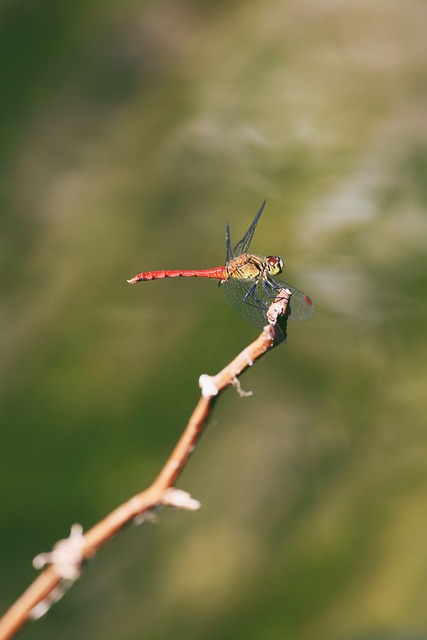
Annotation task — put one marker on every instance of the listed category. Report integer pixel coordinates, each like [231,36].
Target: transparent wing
[229,255]
[300,307]
[239,293]
[252,299]
[243,245]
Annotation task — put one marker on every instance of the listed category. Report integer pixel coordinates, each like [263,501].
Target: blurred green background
[129,134]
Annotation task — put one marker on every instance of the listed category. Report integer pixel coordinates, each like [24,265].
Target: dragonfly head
[275,265]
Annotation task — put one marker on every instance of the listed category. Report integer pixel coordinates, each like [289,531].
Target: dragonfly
[249,282]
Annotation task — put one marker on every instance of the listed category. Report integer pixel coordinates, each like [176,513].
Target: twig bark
[68,555]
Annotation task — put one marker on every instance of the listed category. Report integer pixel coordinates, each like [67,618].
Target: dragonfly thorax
[275,265]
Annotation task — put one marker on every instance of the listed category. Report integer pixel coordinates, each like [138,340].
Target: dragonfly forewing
[243,245]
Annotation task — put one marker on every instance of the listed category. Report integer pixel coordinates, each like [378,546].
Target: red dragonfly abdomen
[219,273]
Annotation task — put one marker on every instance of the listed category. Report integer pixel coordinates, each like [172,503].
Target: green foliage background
[129,134]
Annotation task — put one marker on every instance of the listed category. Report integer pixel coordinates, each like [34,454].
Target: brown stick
[161,492]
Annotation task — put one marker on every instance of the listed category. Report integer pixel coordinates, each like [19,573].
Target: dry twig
[67,557]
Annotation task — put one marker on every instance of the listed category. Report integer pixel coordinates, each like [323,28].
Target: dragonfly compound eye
[275,265]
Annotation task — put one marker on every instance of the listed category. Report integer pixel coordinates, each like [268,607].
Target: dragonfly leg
[269,289]
[252,300]
[249,293]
